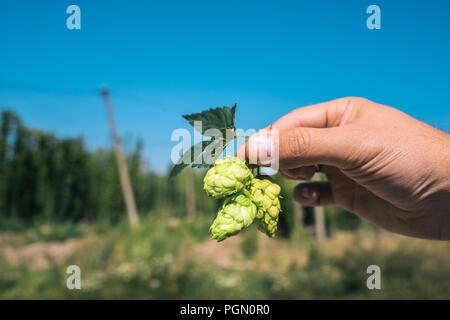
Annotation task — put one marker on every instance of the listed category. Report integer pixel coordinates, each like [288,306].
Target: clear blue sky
[162,59]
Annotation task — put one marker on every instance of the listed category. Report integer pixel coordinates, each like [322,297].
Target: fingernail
[305,192]
[241,152]
[260,148]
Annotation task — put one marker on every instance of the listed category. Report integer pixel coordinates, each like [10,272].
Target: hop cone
[228,176]
[237,213]
[265,195]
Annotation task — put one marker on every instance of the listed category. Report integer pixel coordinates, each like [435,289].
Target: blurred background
[61,200]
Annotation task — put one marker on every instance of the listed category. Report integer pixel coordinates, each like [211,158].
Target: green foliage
[249,244]
[156,260]
[221,119]
[218,118]
[341,219]
[43,177]
[54,232]
[13,224]
[49,188]
[286,223]
[190,157]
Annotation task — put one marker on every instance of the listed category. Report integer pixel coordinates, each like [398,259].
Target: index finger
[321,115]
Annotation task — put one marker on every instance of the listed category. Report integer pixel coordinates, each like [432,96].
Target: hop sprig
[265,194]
[237,213]
[247,199]
[228,176]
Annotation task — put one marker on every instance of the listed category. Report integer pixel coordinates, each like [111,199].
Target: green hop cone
[228,176]
[237,213]
[265,195]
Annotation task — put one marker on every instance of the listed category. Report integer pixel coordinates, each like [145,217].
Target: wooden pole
[190,192]
[319,217]
[121,163]
[298,214]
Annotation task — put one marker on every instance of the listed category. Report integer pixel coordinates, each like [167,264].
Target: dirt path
[41,255]
[228,254]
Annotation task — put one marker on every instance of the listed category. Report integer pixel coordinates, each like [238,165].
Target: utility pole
[298,214]
[190,192]
[121,163]
[319,217]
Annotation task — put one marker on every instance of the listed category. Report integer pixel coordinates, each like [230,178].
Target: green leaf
[222,119]
[189,157]
[202,165]
[218,146]
[218,118]
[176,169]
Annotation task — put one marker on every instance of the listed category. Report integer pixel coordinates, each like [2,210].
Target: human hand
[381,164]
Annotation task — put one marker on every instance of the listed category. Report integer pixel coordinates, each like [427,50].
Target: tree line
[44,177]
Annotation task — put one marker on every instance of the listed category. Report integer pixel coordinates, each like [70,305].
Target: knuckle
[355,100]
[350,108]
[353,104]
[299,143]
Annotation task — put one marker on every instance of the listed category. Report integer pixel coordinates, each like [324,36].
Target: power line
[48,90]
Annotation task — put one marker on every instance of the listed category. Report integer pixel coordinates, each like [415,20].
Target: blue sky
[162,59]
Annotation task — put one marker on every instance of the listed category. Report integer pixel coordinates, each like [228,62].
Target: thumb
[300,146]
[308,146]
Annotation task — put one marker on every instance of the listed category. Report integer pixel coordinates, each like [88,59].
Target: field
[61,204]
[172,258]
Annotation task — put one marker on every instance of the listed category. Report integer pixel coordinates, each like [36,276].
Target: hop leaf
[265,194]
[228,176]
[237,213]
[222,119]
[217,118]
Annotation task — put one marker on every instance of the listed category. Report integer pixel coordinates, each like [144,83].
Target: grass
[168,258]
